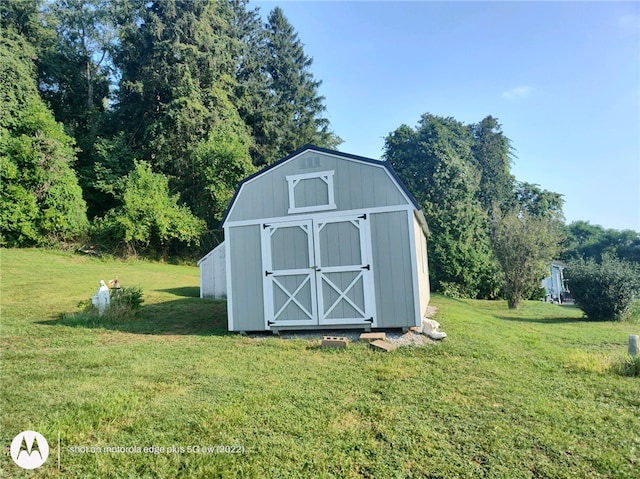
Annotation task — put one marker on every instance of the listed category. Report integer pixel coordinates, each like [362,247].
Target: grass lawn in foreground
[512,394]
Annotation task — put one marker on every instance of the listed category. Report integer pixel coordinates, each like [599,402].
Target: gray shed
[213,277]
[324,239]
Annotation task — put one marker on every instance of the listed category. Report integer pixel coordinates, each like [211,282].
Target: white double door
[318,272]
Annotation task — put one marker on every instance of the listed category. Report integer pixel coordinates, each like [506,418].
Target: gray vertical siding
[246,278]
[311,192]
[292,311]
[339,245]
[356,185]
[392,269]
[290,248]
[422,267]
[356,294]
[213,278]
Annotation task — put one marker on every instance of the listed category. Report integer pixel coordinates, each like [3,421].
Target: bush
[604,291]
[628,366]
[633,312]
[454,290]
[124,306]
[149,217]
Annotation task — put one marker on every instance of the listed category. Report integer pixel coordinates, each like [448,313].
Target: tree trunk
[513,300]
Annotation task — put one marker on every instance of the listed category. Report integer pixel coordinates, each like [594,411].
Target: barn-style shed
[325,239]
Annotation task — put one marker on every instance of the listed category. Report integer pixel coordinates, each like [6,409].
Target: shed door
[318,272]
[289,279]
[344,277]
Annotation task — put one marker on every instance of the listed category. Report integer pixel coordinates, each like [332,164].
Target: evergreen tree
[294,114]
[492,153]
[176,93]
[254,97]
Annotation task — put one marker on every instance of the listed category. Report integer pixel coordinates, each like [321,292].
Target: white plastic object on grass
[431,328]
[102,299]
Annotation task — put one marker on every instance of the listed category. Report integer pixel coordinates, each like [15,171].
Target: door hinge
[269,323]
[265,226]
[363,217]
[367,267]
[369,320]
[267,273]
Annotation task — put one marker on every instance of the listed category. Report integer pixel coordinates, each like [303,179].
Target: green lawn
[508,394]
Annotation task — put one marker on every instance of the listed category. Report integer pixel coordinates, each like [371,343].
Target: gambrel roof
[321,154]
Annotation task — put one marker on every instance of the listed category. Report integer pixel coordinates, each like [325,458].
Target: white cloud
[517,92]
[629,23]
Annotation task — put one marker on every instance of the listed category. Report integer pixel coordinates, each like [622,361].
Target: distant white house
[554,284]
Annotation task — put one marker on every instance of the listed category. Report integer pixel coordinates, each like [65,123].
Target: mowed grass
[508,394]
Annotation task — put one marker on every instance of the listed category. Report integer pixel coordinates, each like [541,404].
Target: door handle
[315,268]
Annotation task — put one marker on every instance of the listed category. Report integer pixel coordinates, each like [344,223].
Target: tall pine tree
[492,154]
[296,107]
[176,96]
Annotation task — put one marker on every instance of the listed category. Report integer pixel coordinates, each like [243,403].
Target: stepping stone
[380,345]
[334,342]
[373,336]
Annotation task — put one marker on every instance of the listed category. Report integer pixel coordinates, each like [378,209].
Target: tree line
[134,120]
[492,235]
[129,123]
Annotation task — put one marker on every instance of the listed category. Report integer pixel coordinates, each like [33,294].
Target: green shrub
[606,290]
[454,290]
[149,218]
[633,312]
[124,306]
[627,366]
[130,298]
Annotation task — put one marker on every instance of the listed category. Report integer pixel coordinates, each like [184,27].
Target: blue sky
[563,79]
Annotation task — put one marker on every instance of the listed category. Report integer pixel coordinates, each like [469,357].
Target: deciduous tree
[41,199]
[524,245]
[435,161]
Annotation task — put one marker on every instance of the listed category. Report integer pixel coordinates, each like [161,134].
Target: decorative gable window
[311,192]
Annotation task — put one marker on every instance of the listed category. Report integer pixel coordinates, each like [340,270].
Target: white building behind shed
[213,275]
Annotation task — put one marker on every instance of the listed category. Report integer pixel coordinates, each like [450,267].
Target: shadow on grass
[188,316]
[559,320]
[186,291]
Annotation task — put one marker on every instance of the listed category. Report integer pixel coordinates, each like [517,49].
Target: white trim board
[328,214]
[294,180]
[227,260]
[414,269]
